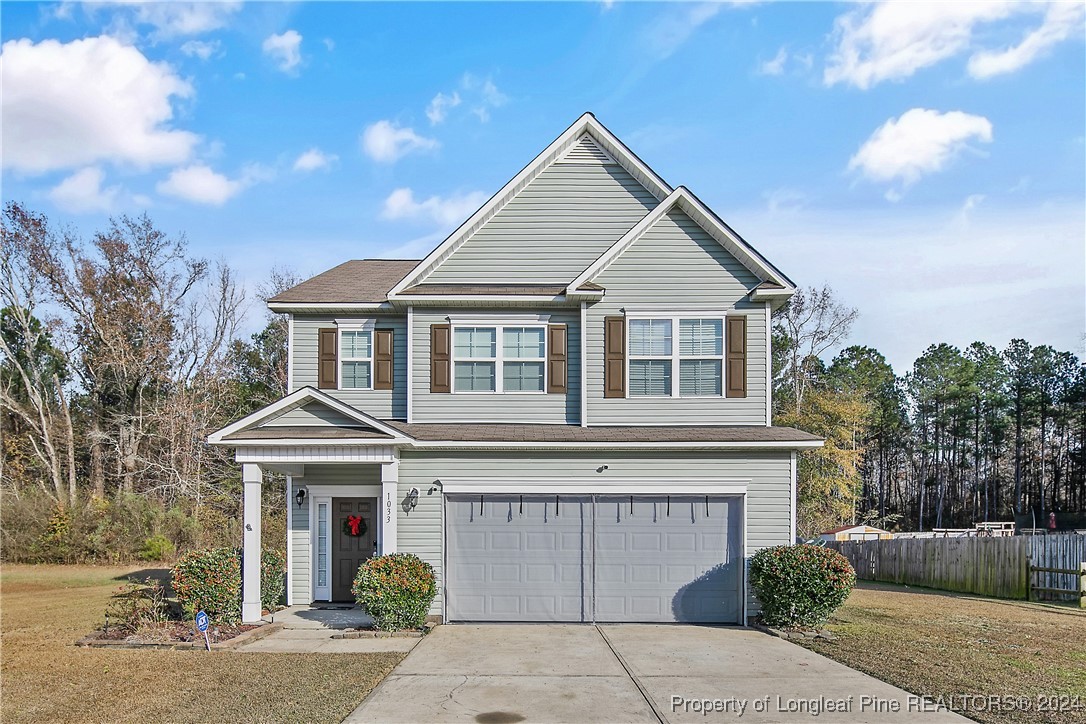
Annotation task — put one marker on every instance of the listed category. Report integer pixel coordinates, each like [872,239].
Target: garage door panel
[533,557]
[615,558]
[690,542]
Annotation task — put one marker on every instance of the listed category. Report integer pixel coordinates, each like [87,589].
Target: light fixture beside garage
[601,468]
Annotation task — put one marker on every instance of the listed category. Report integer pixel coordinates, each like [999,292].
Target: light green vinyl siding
[768,513]
[487,406]
[677,266]
[300,587]
[557,225]
[385,404]
[312,414]
[300,535]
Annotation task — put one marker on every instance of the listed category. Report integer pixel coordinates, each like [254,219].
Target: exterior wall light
[299,497]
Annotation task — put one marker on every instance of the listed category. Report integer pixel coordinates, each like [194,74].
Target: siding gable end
[561,222]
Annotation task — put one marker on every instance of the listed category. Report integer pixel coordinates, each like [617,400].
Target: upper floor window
[654,357]
[499,359]
[355,359]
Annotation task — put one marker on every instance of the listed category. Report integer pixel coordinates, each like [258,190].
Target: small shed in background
[856,532]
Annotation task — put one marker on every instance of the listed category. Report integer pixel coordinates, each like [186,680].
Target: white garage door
[593,558]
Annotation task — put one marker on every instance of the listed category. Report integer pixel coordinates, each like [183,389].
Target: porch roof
[296,432]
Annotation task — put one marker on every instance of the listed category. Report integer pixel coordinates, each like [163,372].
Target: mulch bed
[177,631]
[179,635]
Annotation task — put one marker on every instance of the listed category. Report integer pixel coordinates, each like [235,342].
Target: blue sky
[926,161]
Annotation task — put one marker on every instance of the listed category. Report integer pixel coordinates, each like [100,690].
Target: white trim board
[601,485]
[586,124]
[295,400]
[756,445]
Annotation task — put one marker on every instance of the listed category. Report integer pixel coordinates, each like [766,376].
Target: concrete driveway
[502,674]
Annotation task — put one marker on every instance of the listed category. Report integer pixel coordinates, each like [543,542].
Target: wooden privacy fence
[997,567]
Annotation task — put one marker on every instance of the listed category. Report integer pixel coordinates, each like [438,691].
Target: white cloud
[485,96]
[202,49]
[440,105]
[314,160]
[73,104]
[329,44]
[1061,20]
[285,50]
[82,192]
[776,65]
[172,19]
[446,211]
[200,184]
[386,142]
[920,142]
[893,40]
[676,24]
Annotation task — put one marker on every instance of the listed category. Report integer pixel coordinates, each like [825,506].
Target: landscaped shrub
[800,585]
[273,576]
[396,589]
[138,607]
[209,581]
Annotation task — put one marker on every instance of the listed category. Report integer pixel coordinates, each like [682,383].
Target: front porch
[322,556]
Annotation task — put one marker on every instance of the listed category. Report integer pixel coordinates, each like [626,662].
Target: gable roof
[249,427]
[358,281]
[781,286]
[570,141]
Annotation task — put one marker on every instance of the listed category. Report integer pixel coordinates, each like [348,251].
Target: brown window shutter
[614,356]
[735,363]
[327,358]
[440,358]
[382,359]
[556,359]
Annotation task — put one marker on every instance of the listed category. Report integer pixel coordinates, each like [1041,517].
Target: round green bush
[209,581]
[800,585]
[396,589]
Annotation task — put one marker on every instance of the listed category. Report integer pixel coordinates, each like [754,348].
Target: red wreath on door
[354,526]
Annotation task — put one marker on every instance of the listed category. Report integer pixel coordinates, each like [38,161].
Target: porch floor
[322,616]
[309,630]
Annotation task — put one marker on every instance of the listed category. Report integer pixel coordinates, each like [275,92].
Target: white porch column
[390,476]
[251,477]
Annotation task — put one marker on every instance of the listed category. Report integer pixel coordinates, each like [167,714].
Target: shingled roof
[356,281]
[539,433]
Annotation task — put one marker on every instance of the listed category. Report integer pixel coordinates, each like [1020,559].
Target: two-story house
[564,408]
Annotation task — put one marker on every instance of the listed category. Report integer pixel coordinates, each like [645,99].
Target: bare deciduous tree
[814,322]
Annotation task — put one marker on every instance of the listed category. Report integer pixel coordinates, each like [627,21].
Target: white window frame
[353,326]
[675,357]
[499,358]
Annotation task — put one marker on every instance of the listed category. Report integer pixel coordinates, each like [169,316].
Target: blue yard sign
[201,625]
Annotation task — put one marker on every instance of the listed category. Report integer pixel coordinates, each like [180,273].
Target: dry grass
[45,678]
[934,643]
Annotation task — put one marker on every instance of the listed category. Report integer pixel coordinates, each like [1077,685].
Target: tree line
[966,436]
[120,352]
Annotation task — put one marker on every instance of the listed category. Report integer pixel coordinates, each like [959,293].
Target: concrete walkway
[311,629]
[502,674]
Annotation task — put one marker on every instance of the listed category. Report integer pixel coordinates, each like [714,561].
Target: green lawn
[45,677]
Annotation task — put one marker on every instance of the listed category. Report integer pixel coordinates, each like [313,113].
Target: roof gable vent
[585,151]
